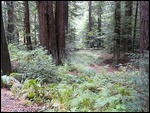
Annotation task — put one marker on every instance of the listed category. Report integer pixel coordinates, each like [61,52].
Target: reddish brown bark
[51,34]
[99,19]
[90,17]
[128,26]
[60,30]
[10,25]
[47,27]
[144,25]
[135,24]
[66,16]
[117,33]
[5,58]
[27,26]
[43,23]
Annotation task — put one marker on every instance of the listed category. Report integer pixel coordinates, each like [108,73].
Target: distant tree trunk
[10,25]
[35,27]
[99,20]
[66,16]
[128,26]
[135,21]
[27,26]
[24,35]
[5,18]
[99,41]
[60,30]
[89,41]
[17,37]
[51,34]
[90,17]
[5,58]
[144,25]
[42,7]
[117,32]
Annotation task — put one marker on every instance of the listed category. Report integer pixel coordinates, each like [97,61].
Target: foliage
[84,57]
[35,64]
[87,91]
[4,80]
[17,76]
[93,94]
[73,13]
[33,90]
[8,81]
[141,81]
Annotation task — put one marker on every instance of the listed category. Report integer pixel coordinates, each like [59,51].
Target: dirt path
[99,68]
[9,103]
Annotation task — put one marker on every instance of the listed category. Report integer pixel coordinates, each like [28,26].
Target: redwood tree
[99,41]
[135,24]
[60,30]
[47,28]
[117,33]
[144,25]
[5,58]
[10,25]
[27,26]
[128,26]
[51,33]
[42,7]
[90,17]
[66,16]
[99,19]
[89,42]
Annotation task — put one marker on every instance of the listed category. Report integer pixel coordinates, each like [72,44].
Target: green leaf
[100,102]
[73,109]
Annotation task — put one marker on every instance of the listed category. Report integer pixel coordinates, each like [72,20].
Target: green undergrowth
[87,91]
[85,57]
[35,64]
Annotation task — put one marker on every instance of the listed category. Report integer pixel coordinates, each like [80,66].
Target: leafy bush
[141,102]
[95,93]
[34,64]
[8,81]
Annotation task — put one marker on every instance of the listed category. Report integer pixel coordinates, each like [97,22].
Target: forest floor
[107,61]
[10,102]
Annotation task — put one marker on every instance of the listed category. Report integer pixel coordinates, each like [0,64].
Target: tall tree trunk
[24,35]
[27,26]
[89,42]
[90,17]
[99,41]
[117,32]
[135,21]
[60,30]
[51,34]
[5,18]
[66,16]
[144,25]
[43,23]
[128,26]
[16,31]
[47,28]
[10,25]
[17,37]
[35,42]
[5,58]
[99,20]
